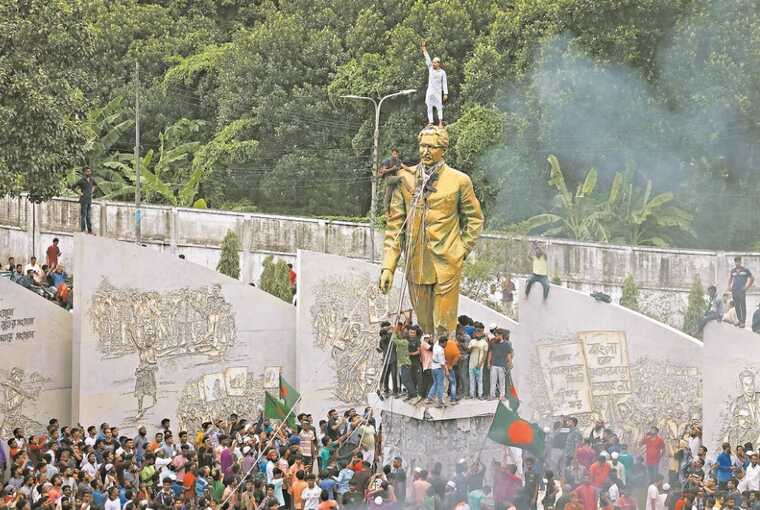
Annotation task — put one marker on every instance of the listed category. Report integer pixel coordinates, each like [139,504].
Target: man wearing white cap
[752,474]
[662,497]
[617,466]
[653,492]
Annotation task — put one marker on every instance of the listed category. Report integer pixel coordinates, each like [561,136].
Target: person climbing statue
[437,89]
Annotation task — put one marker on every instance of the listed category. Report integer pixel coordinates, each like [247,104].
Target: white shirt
[652,493]
[613,492]
[436,83]
[694,444]
[112,504]
[311,497]
[752,477]
[661,501]
[439,359]
[36,268]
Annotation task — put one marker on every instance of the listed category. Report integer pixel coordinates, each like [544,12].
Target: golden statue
[434,219]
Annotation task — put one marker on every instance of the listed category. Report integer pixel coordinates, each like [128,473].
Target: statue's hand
[386,280]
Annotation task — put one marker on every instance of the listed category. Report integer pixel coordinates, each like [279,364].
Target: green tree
[580,215]
[45,46]
[695,309]
[275,279]
[630,297]
[168,174]
[229,261]
[640,219]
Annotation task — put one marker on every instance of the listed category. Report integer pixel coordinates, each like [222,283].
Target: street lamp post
[376,159]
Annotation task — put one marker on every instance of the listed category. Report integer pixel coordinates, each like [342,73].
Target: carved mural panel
[219,394]
[346,317]
[157,326]
[590,376]
[740,415]
[19,392]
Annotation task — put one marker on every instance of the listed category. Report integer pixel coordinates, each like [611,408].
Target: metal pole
[138,213]
[375,173]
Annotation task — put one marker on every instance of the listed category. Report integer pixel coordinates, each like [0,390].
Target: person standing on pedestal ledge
[434,218]
[437,90]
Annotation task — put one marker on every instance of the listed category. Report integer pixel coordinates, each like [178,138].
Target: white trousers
[438,104]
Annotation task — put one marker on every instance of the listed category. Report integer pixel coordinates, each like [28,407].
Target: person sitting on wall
[540,272]
[714,310]
[756,320]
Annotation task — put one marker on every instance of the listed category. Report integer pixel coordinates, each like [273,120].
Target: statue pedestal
[443,435]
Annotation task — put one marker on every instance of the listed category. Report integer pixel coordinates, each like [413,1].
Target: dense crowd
[50,280]
[477,363]
[258,464]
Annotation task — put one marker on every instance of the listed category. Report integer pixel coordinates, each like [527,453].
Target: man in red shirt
[585,454]
[53,252]
[599,472]
[587,494]
[654,447]
[506,485]
[292,279]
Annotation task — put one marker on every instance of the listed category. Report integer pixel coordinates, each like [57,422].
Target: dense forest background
[630,121]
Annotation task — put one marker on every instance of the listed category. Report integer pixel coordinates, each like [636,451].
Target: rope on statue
[420,192]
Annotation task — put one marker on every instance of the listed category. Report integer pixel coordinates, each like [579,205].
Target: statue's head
[433,144]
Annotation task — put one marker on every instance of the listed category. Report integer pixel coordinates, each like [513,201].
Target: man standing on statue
[437,89]
[434,219]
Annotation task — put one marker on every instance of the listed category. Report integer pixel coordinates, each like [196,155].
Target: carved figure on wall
[17,389]
[740,423]
[219,394]
[346,317]
[593,369]
[157,325]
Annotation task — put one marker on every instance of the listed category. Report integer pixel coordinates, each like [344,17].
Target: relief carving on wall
[157,325]
[19,391]
[346,317]
[591,377]
[219,394]
[740,417]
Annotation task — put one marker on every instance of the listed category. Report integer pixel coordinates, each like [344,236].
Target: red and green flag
[509,429]
[514,401]
[275,409]
[288,393]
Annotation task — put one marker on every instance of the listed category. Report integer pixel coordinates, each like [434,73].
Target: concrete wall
[664,276]
[339,316]
[577,356]
[732,387]
[154,327]
[35,349]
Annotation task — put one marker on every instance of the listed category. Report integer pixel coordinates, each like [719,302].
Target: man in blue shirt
[724,463]
[740,279]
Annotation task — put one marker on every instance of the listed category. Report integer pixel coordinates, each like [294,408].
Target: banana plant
[580,215]
[643,219]
[167,174]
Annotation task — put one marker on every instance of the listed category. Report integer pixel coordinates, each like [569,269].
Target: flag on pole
[274,409]
[512,398]
[509,429]
[288,394]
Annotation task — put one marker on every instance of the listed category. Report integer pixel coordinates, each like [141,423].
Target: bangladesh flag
[514,401]
[510,430]
[274,409]
[288,394]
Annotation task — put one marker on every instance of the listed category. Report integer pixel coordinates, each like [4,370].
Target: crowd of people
[257,464]
[50,280]
[476,363]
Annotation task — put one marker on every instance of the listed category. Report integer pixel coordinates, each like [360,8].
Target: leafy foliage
[665,88]
[630,297]
[229,261]
[44,44]
[275,279]
[695,308]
